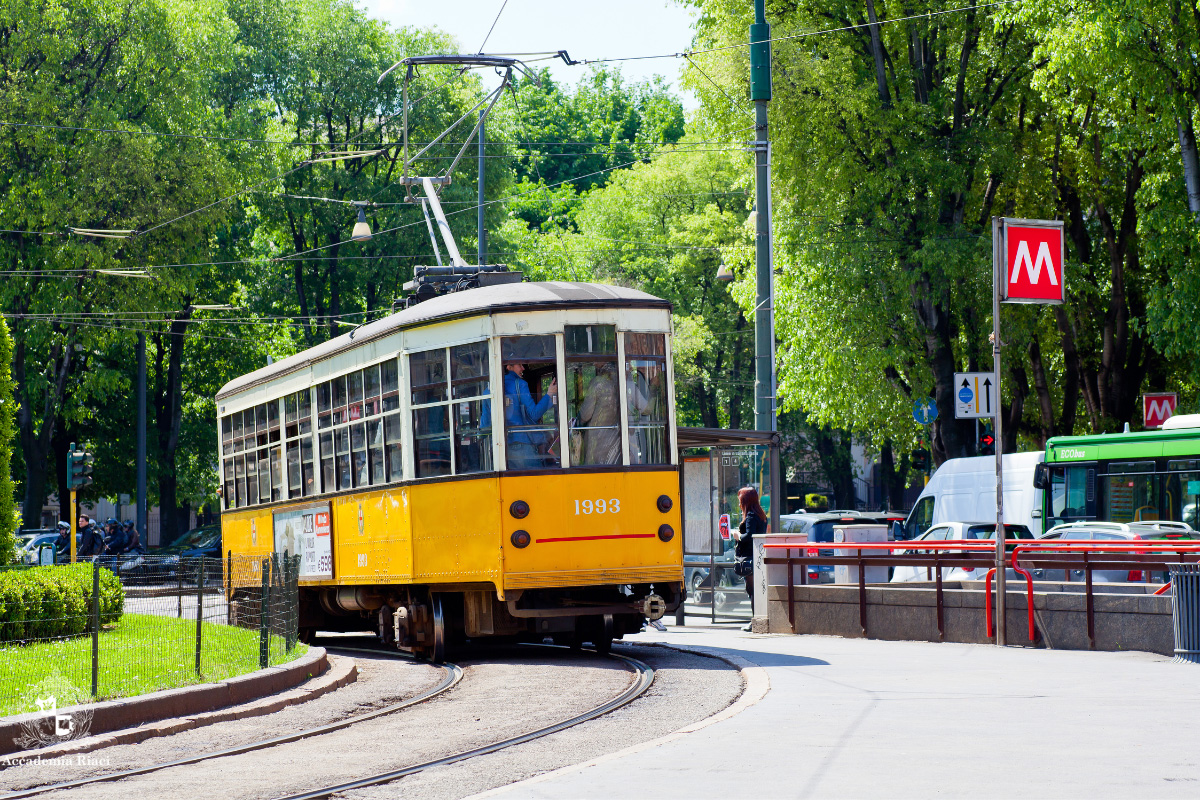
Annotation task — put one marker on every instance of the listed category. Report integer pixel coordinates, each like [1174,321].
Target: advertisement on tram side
[307,532]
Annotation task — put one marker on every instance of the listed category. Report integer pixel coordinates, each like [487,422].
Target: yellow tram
[499,461]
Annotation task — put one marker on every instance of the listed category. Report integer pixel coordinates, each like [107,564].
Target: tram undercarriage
[426,620]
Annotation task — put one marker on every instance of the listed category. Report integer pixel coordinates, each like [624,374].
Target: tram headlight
[664,503]
[519,509]
[522,538]
[666,532]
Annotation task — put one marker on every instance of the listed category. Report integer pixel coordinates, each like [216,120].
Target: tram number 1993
[612,506]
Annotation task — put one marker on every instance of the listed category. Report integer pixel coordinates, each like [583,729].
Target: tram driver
[520,414]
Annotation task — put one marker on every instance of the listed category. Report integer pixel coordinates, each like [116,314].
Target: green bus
[1124,477]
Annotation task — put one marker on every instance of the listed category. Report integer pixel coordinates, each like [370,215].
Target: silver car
[1115,532]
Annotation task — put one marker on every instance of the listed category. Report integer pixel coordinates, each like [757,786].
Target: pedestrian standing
[754,522]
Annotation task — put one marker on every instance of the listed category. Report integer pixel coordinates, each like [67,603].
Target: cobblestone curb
[135,719]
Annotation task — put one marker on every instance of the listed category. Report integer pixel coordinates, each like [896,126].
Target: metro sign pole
[1027,267]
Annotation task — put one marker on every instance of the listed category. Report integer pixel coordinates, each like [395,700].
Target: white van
[965,489]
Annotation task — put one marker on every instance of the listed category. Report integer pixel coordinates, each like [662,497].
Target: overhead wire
[489,33]
[805,35]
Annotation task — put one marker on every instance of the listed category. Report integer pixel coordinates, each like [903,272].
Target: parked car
[958,531]
[29,542]
[1127,532]
[202,541]
[819,527]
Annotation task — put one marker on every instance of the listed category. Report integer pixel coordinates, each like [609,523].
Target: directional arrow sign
[974,395]
[924,410]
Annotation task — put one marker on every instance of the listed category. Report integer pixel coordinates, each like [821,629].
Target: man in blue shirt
[521,411]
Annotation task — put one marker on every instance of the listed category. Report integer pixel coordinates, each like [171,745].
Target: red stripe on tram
[594,538]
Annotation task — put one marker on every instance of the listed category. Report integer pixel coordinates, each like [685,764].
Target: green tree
[665,227]
[132,65]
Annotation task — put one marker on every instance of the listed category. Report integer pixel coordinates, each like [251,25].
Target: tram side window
[646,401]
[250,450]
[431,413]
[360,446]
[297,422]
[593,394]
[471,389]
[530,396]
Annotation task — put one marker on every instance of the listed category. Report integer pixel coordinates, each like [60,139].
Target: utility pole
[764,314]
[764,301]
[482,232]
[141,441]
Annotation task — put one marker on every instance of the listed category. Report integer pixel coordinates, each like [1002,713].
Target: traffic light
[79,468]
[987,443]
[920,460]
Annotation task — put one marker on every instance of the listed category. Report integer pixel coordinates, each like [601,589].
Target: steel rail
[645,677]
[453,675]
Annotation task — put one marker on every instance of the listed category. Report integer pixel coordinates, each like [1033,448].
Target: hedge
[54,601]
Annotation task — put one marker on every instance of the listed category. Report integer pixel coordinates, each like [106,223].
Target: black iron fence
[126,625]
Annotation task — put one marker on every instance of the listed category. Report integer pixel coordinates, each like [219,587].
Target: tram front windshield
[530,402]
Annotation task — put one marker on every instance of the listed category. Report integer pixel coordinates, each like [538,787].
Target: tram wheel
[603,638]
[437,652]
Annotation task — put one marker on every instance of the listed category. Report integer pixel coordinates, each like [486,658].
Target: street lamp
[362,231]
[725,274]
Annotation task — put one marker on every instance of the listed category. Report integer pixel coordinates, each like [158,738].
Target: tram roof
[502,299]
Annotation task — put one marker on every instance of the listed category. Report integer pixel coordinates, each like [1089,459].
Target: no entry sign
[1031,256]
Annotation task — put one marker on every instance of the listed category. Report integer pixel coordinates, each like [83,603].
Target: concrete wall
[1127,617]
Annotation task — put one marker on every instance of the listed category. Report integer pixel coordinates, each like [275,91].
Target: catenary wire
[489,33]
[805,35]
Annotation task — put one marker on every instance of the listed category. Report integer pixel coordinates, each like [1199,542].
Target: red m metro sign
[1032,259]
[1157,408]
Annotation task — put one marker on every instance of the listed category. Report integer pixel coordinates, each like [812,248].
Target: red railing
[1143,553]
[963,547]
[1142,548]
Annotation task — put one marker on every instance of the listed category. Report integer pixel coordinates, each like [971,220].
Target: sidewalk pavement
[865,718]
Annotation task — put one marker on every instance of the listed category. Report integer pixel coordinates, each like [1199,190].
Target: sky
[612,29]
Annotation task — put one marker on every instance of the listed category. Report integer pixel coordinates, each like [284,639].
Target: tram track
[644,678]
[453,674]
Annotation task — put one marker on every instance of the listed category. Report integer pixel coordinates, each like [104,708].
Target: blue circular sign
[965,395]
[924,410]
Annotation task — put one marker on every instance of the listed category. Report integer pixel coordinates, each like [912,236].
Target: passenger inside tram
[530,392]
[593,396]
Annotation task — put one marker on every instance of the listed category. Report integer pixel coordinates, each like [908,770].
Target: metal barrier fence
[1052,557]
[127,625]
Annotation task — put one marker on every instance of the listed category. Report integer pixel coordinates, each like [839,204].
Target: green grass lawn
[141,653]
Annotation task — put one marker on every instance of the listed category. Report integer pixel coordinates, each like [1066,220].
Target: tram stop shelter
[713,464]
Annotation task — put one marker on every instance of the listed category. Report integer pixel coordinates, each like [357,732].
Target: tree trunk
[168,418]
[885,98]
[35,434]
[1191,164]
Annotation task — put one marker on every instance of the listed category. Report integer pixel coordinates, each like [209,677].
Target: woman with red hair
[754,521]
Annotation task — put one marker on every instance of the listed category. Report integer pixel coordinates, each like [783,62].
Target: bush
[52,601]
